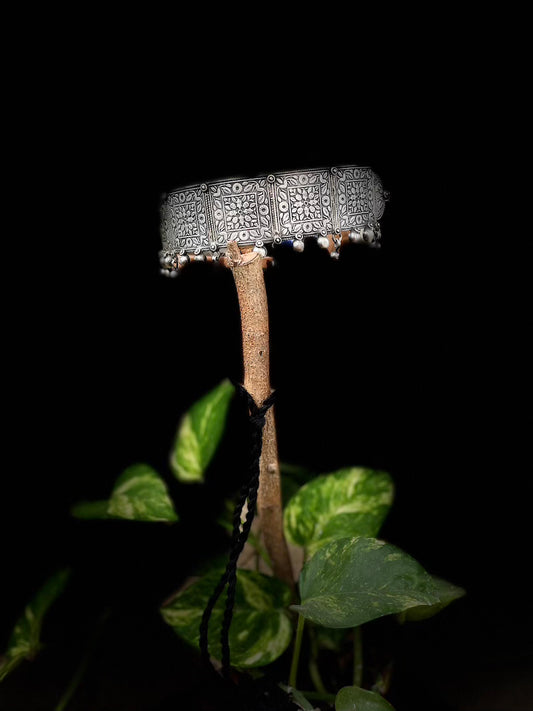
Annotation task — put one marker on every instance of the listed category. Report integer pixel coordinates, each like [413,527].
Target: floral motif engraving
[358,195]
[241,212]
[185,220]
[379,198]
[355,197]
[305,203]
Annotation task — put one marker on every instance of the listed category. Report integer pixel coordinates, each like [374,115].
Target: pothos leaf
[348,502]
[24,642]
[354,580]
[352,698]
[199,434]
[261,629]
[447,593]
[139,494]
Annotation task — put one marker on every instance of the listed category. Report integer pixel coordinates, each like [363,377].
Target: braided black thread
[234,550]
[243,495]
[236,531]
[232,578]
[257,418]
[257,422]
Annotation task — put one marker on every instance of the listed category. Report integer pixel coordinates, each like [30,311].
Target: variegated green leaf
[447,593]
[261,629]
[352,698]
[354,580]
[139,494]
[289,488]
[25,642]
[293,476]
[349,502]
[199,434]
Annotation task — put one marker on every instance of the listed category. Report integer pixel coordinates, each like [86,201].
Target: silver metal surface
[291,206]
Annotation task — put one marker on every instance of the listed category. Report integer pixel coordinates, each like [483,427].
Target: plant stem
[74,683]
[318,696]
[314,670]
[358,656]
[82,666]
[91,509]
[247,269]
[314,673]
[296,651]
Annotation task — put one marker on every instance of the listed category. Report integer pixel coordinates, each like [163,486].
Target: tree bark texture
[247,269]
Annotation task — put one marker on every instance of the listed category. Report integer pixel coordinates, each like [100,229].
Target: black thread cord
[248,493]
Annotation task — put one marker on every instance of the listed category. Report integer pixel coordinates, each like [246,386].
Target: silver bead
[183,260]
[199,258]
[334,255]
[261,251]
[174,273]
[323,242]
[163,272]
[168,260]
[298,245]
[369,235]
[213,247]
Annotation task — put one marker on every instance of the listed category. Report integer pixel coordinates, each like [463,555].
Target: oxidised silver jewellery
[331,205]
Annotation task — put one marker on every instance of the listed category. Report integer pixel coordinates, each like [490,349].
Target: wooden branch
[247,269]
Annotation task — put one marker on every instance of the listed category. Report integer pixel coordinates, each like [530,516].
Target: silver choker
[331,205]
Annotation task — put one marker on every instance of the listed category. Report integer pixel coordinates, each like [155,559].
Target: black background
[411,358]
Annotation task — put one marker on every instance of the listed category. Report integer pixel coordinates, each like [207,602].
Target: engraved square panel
[303,202]
[241,211]
[184,224]
[355,197]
